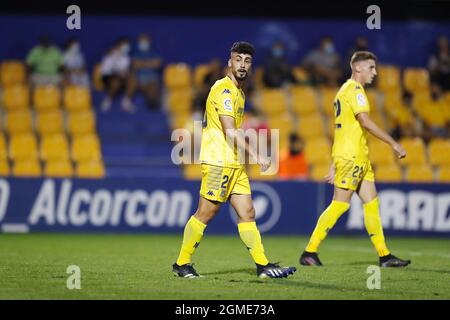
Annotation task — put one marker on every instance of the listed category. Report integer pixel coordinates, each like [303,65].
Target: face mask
[125,48]
[75,48]
[329,48]
[144,45]
[278,52]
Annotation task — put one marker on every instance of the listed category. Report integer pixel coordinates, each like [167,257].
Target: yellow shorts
[218,183]
[350,173]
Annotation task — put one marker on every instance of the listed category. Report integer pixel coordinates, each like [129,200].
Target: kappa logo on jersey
[227,105]
[210,193]
[226,91]
[361,99]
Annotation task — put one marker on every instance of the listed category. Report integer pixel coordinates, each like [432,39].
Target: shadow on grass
[231,271]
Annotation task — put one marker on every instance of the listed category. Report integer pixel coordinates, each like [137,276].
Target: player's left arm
[373,128]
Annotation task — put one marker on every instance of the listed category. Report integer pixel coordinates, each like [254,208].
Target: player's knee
[249,214]
[205,215]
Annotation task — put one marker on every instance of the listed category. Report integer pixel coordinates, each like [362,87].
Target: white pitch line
[15,228]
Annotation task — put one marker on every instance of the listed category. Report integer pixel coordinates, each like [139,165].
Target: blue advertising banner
[164,206]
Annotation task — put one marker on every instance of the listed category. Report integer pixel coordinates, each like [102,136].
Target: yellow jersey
[224,99]
[350,140]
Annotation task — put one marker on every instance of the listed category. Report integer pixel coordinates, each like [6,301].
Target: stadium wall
[197,40]
[164,205]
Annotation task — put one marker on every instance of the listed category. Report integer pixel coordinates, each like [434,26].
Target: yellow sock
[373,226]
[252,239]
[325,223]
[193,233]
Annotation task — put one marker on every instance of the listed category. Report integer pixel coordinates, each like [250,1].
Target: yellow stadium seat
[327,96]
[27,168]
[311,126]
[388,173]
[380,153]
[372,96]
[50,122]
[443,174]
[179,121]
[300,74]
[415,151]
[86,147]
[419,173]
[200,73]
[435,113]
[19,121]
[258,74]
[77,98]
[81,122]
[416,79]
[177,76]
[97,77]
[12,72]
[180,100]
[319,171]
[16,97]
[23,146]
[192,171]
[304,100]
[439,152]
[3,149]
[54,147]
[4,168]
[318,151]
[46,97]
[93,169]
[283,122]
[273,101]
[254,173]
[58,168]
[388,78]
[331,126]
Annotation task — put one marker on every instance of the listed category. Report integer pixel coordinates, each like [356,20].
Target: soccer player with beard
[223,174]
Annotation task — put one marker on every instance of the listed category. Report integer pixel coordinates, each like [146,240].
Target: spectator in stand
[147,65]
[215,73]
[45,62]
[276,70]
[439,68]
[116,76]
[292,163]
[361,44]
[74,65]
[324,64]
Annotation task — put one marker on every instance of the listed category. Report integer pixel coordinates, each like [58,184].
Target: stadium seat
[49,122]
[12,72]
[318,151]
[23,146]
[4,168]
[19,121]
[180,100]
[283,123]
[93,169]
[3,149]
[304,100]
[180,120]
[388,173]
[415,151]
[86,147]
[258,74]
[254,173]
[330,126]
[16,97]
[97,77]
[388,78]
[416,80]
[372,96]
[177,75]
[319,171]
[443,174]
[273,101]
[300,74]
[46,97]
[81,122]
[419,173]
[192,171]
[77,98]
[311,126]
[27,168]
[327,96]
[54,147]
[439,152]
[200,71]
[380,153]
[58,168]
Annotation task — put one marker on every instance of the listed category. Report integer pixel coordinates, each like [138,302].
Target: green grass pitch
[33,266]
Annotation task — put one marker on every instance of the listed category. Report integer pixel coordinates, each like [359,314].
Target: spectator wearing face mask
[361,44]
[116,76]
[44,62]
[292,163]
[276,69]
[439,67]
[324,63]
[147,69]
[74,65]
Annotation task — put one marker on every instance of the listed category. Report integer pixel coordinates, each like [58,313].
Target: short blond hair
[362,56]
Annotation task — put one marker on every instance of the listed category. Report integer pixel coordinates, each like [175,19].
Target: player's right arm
[369,125]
